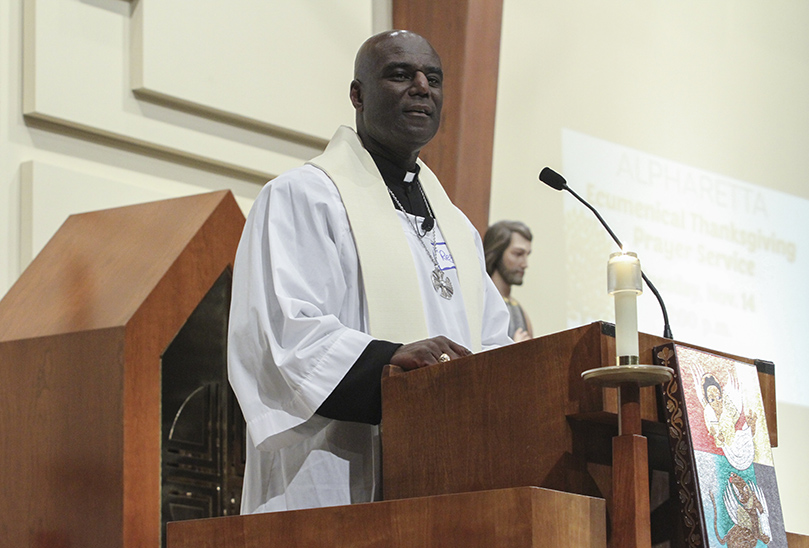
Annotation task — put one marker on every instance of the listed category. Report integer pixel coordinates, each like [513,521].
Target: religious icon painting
[721,447]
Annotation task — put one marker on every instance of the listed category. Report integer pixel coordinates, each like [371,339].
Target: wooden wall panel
[466,34]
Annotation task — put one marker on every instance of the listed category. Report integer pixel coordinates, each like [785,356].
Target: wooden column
[466,34]
[630,476]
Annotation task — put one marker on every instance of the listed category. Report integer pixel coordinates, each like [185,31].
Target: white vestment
[299,320]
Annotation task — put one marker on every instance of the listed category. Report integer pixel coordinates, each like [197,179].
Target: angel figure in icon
[724,411]
[746,506]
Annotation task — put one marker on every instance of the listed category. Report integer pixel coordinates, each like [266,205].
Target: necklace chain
[441,283]
[434,256]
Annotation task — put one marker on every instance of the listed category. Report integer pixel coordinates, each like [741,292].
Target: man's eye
[434,80]
[399,76]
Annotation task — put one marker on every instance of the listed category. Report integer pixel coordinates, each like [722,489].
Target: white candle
[626,325]
[624,282]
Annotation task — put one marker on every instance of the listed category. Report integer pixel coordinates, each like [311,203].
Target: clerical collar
[400,182]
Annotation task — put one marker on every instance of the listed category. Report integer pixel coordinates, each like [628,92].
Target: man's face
[514,261]
[714,397]
[398,96]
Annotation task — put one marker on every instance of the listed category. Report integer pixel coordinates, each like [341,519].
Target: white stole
[391,285]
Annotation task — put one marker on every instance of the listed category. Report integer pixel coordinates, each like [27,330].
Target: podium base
[521,517]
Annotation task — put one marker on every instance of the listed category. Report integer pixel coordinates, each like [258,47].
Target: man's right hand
[427,352]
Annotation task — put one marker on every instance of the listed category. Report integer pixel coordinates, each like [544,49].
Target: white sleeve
[297,315]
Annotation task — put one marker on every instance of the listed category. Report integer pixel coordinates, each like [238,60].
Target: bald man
[355,260]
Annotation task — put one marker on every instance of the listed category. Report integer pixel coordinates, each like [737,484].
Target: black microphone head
[552,179]
[428,224]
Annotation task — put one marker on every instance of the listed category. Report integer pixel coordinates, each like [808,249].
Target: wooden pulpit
[521,415]
[83,336]
[461,443]
[521,517]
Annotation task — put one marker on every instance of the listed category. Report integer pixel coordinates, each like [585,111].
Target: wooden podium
[83,334]
[523,517]
[504,448]
[521,415]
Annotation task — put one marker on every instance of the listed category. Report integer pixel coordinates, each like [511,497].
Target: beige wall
[720,86]
[110,102]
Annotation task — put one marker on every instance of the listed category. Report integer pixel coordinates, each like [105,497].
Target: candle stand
[630,477]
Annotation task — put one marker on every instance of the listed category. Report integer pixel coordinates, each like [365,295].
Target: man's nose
[420,85]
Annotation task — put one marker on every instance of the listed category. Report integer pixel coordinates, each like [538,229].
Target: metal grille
[203,431]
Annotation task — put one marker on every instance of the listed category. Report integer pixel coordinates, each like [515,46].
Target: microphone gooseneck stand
[557,182]
[630,512]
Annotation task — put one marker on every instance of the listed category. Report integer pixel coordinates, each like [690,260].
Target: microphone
[553,179]
[427,224]
[557,182]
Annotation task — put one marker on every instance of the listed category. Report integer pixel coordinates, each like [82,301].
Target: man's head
[507,245]
[713,393]
[397,93]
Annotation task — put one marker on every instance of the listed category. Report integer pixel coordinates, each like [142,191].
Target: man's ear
[355,93]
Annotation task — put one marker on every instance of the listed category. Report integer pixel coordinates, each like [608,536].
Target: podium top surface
[100,267]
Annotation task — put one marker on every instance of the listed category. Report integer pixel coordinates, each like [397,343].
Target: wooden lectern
[523,517]
[462,442]
[82,334]
[519,415]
